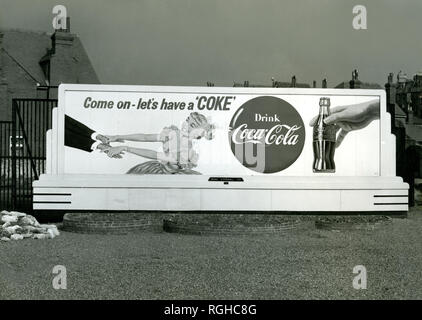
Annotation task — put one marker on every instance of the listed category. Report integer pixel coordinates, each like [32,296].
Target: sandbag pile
[17,226]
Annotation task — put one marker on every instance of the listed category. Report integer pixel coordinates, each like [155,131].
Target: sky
[190,42]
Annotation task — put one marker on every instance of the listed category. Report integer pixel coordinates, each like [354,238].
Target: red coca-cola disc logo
[267,134]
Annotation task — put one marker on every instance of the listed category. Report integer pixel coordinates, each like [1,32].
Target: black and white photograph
[209,158]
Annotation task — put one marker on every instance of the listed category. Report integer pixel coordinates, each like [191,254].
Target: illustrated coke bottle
[324,140]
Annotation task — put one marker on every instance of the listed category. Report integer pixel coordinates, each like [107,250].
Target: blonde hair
[200,121]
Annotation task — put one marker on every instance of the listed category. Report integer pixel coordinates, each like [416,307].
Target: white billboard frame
[328,188]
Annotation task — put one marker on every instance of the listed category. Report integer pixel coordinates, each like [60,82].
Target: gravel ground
[304,264]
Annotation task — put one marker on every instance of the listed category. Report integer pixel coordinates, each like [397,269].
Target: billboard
[206,149]
[219,132]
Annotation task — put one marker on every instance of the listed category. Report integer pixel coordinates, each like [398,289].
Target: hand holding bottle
[351,117]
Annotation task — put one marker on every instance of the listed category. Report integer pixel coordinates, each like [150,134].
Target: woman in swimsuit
[178,156]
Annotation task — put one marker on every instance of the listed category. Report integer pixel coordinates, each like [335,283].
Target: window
[19,142]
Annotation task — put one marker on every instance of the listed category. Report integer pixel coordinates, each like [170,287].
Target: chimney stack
[67,25]
[293,81]
[62,51]
[62,37]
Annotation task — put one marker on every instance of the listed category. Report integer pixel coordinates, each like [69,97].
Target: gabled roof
[26,48]
[29,49]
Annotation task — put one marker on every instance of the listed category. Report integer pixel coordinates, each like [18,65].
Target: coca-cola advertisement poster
[219,132]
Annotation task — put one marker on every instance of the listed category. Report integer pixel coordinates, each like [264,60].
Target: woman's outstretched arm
[115,152]
[141,137]
[146,153]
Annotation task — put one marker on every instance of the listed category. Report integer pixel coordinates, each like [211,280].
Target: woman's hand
[114,152]
[106,148]
[102,138]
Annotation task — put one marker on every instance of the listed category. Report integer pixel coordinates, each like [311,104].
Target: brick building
[30,62]
[408,93]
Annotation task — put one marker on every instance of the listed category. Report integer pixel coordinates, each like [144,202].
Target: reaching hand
[116,151]
[106,148]
[102,138]
[351,117]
